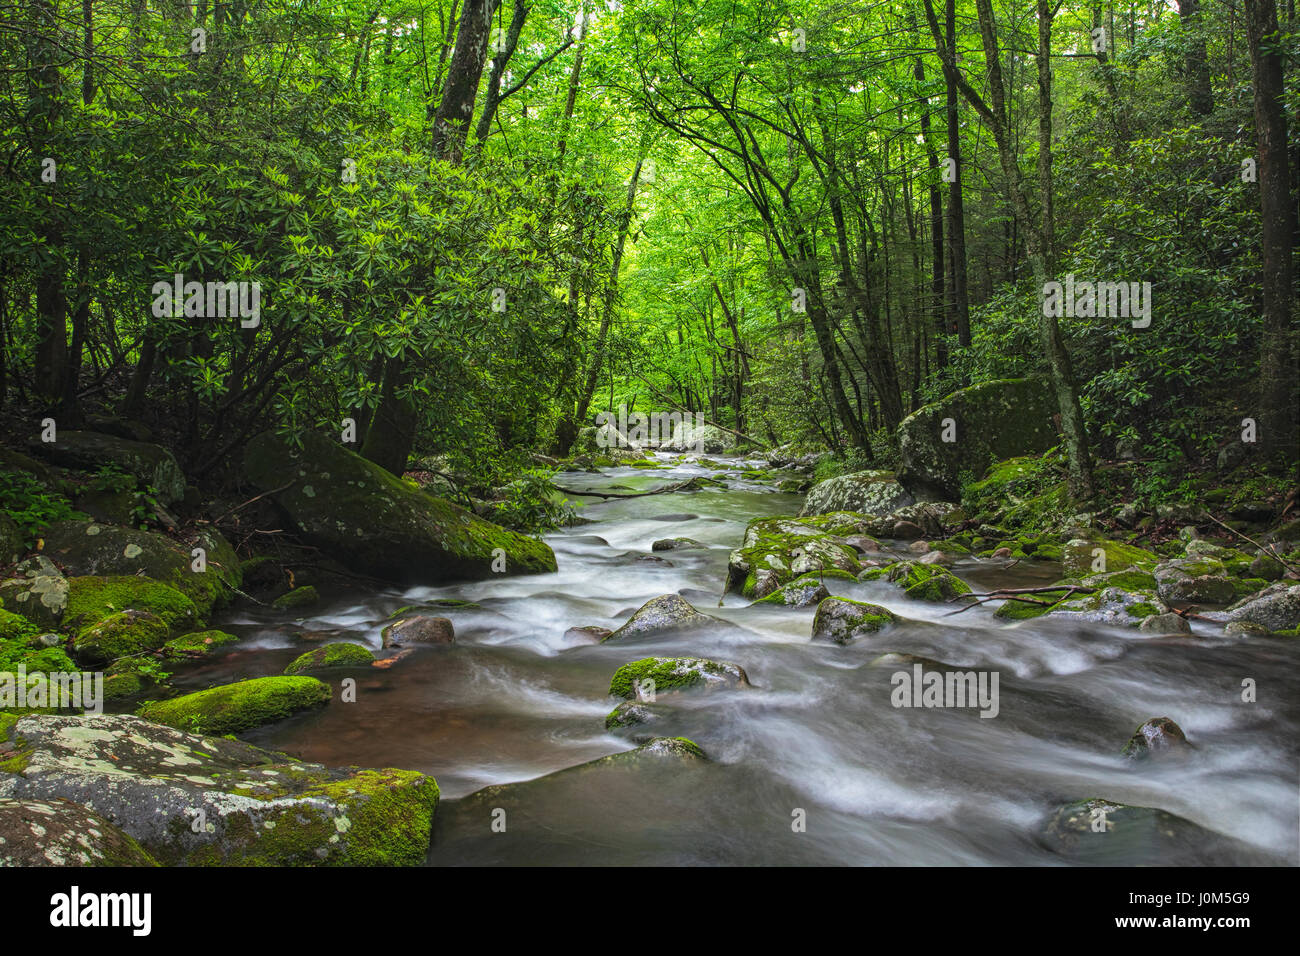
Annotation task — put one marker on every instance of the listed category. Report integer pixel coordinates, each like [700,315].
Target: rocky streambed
[710,675]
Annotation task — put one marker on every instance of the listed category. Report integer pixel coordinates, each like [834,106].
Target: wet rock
[993,421]
[1270,569]
[119,635]
[668,613]
[1110,605]
[1081,557]
[1101,832]
[1246,627]
[676,544]
[1158,737]
[1196,579]
[197,644]
[253,807]
[675,516]
[802,592]
[862,543]
[1165,624]
[420,629]
[233,708]
[92,598]
[841,620]
[89,451]
[651,676]
[920,582]
[37,590]
[791,547]
[1001,553]
[341,654]
[378,524]
[1277,607]
[588,634]
[629,713]
[939,557]
[920,546]
[62,833]
[866,492]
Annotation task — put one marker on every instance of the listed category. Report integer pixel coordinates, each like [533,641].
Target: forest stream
[816,738]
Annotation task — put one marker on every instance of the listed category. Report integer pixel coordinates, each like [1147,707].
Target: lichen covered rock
[378,525]
[202,800]
[59,832]
[1277,607]
[775,551]
[37,590]
[668,613]
[232,708]
[840,620]
[805,591]
[865,492]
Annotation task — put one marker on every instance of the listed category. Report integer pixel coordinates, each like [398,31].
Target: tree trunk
[1278,412]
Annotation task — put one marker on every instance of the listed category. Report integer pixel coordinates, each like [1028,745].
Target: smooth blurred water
[513,701]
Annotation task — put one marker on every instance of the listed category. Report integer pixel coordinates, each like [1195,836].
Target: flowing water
[816,739]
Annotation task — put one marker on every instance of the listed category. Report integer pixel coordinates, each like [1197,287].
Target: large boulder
[91,548]
[866,492]
[151,464]
[919,581]
[993,421]
[379,525]
[203,800]
[703,439]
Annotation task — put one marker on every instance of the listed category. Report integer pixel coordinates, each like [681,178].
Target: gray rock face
[804,592]
[668,612]
[993,421]
[1277,607]
[1108,606]
[377,524]
[38,591]
[709,439]
[251,805]
[866,492]
[62,833]
[150,464]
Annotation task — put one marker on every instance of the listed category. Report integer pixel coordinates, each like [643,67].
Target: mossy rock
[342,654]
[374,523]
[232,708]
[304,596]
[629,713]
[671,674]
[841,620]
[258,808]
[92,598]
[197,644]
[120,635]
[776,551]
[994,421]
[920,582]
[1024,611]
[92,548]
[1079,560]
[805,591]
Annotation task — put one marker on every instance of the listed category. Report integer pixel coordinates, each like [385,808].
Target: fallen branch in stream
[675,486]
[1019,594]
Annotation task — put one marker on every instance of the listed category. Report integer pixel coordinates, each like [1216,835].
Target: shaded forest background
[476,223]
